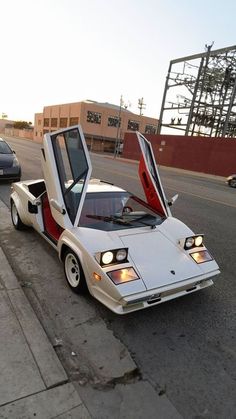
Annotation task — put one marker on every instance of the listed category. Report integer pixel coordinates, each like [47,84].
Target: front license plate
[1,171]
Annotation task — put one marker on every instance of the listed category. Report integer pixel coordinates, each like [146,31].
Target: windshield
[4,148]
[109,211]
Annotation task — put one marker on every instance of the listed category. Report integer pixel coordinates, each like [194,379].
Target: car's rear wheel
[74,272]
[232,183]
[16,220]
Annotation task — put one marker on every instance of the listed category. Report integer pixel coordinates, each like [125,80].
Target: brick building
[99,121]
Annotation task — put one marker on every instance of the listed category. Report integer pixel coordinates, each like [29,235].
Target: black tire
[232,183]
[16,220]
[74,272]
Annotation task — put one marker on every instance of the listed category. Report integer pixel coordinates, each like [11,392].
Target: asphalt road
[185,348]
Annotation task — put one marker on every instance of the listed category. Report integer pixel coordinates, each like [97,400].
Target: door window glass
[72,168]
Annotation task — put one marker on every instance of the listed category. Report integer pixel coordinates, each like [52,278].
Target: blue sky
[60,51]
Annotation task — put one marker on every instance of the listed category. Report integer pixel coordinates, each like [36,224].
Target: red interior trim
[50,225]
[152,195]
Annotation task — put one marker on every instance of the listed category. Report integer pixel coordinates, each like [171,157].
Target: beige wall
[99,136]
[4,123]
[21,133]
[6,128]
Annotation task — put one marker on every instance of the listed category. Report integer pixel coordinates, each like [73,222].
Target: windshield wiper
[140,219]
[108,219]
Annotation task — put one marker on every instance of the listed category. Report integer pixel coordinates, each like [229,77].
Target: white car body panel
[165,269]
[160,259]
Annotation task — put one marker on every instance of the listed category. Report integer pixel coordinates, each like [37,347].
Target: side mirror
[172,201]
[57,206]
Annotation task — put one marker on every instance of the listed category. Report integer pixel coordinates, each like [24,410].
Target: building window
[133,125]
[94,117]
[39,122]
[45,131]
[46,122]
[74,121]
[54,122]
[113,121]
[63,122]
[150,129]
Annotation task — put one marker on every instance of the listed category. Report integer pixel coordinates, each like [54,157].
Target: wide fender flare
[66,241]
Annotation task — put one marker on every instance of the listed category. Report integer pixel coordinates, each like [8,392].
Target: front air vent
[154,300]
[191,289]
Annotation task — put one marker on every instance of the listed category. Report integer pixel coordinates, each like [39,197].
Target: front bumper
[159,295]
[7,173]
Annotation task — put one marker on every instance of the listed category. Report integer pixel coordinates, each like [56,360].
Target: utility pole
[118,127]
[141,105]
[123,105]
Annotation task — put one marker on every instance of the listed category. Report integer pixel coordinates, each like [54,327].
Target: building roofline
[102,104]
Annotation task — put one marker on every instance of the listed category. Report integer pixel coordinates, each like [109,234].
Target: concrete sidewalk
[33,382]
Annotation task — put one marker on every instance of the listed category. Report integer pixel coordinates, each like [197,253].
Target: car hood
[6,160]
[155,253]
[158,260]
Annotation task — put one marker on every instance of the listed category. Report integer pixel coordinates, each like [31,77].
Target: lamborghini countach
[128,251]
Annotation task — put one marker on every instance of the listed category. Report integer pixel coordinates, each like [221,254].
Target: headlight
[193,241]
[198,241]
[202,256]
[112,257]
[189,242]
[122,276]
[121,255]
[15,162]
[107,258]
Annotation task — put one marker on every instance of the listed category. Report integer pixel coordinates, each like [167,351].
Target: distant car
[9,164]
[129,252]
[231,180]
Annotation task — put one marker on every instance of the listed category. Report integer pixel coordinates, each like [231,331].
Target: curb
[50,367]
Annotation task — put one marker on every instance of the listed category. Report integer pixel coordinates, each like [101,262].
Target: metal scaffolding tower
[199,96]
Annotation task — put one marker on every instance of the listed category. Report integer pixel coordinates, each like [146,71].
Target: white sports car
[130,253]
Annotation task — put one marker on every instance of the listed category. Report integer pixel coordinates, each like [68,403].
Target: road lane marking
[202,197]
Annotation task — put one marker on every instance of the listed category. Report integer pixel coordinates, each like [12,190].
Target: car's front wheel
[232,183]
[74,272]
[16,220]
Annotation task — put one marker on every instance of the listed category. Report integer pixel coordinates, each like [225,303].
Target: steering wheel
[127,210]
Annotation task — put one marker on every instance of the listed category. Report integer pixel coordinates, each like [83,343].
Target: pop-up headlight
[193,241]
[112,257]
